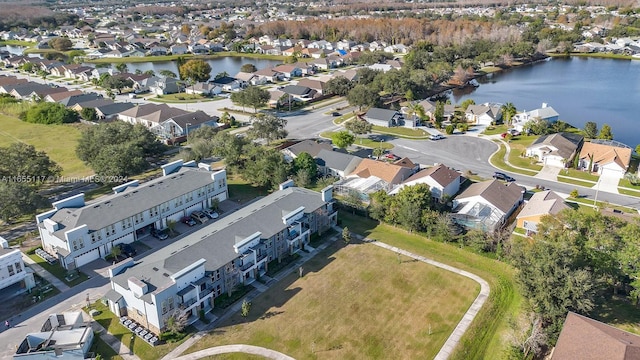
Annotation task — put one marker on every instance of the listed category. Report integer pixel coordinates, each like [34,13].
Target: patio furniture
[132,326]
[138,330]
[127,322]
[123,319]
[147,336]
[143,333]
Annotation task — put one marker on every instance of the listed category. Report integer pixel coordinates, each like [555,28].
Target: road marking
[408,148]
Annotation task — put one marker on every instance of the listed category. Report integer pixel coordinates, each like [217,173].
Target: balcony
[246,266]
[187,303]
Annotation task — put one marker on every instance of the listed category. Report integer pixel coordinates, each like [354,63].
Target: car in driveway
[436,137]
[502,176]
[127,250]
[188,220]
[200,217]
[211,214]
[159,234]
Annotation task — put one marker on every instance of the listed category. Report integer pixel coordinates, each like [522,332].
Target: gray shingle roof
[566,143]
[214,242]
[502,196]
[543,203]
[311,147]
[381,114]
[336,160]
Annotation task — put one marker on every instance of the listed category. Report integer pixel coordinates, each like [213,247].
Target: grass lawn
[574,181]
[100,347]
[589,203]
[485,338]
[58,141]
[341,119]
[582,175]
[519,146]
[490,69]
[629,192]
[139,347]
[393,304]
[497,159]
[363,141]
[181,98]
[493,130]
[242,191]
[57,270]
[619,312]
[402,132]
[17,43]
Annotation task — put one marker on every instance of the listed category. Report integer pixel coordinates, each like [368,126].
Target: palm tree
[415,109]
[508,111]
[377,152]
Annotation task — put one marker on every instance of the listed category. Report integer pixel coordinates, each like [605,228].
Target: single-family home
[142,83]
[157,51]
[443,181]
[373,175]
[317,85]
[186,276]
[165,85]
[106,109]
[487,205]
[430,110]
[245,79]
[33,91]
[55,97]
[485,114]
[311,147]
[300,93]
[180,124]
[588,339]
[75,99]
[609,158]
[227,83]
[76,233]
[289,70]
[178,49]
[62,336]
[555,149]
[12,269]
[384,117]
[205,89]
[545,112]
[541,204]
[269,75]
[335,163]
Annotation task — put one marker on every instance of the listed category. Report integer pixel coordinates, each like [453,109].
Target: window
[165,308]
[178,201]
[18,267]
[126,223]
[154,211]
[138,218]
[170,301]
[111,230]
[10,268]
[189,196]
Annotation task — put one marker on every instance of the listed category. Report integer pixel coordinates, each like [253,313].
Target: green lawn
[363,141]
[402,132]
[99,347]
[17,43]
[354,302]
[485,339]
[583,202]
[574,181]
[341,119]
[57,270]
[182,98]
[518,147]
[494,130]
[497,159]
[242,191]
[582,175]
[139,347]
[58,141]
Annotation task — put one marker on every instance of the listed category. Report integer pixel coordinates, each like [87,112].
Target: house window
[126,223]
[10,268]
[95,236]
[170,302]
[154,211]
[18,267]
[111,230]
[189,196]
[178,201]
[165,308]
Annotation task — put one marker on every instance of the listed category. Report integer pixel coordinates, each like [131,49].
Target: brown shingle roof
[439,173]
[405,162]
[388,172]
[495,192]
[63,95]
[587,339]
[605,154]
[543,203]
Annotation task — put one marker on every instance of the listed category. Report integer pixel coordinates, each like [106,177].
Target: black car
[502,176]
[127,249]
[159,234]
[335,113]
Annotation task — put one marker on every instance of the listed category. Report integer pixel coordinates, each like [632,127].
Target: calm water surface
[579,89]
[230,65]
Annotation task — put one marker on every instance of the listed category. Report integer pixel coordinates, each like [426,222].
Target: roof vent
[155,268]
[165,274]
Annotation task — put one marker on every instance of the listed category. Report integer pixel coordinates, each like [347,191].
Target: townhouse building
[187,276]
[12,269]
[77,233]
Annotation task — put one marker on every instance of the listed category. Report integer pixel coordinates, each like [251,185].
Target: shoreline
[167,58]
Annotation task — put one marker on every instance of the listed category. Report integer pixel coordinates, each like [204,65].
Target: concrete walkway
[239,348]
[59,284]
[113,342]
[451,343]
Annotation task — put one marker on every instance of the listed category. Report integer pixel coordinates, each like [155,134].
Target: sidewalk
[60,285]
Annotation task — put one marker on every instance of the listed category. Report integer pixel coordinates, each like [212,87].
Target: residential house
[205,89]
[268,75]
[77,233]
[485,114]
[165,85]
[300,93]
[180,125]
[546,113]
[62,336]
[198,49]
[178,49]
[605,157]
[487,205]
[75,99]
[373,175]
[245,79]
[106,109]
[317,85]
[12,269]
[142,83]
[555,149]
[430,110]
[30,91]
[187,276]
[55,97]
[443,181]
[587,339]
[335,163]
[384,117]
[227,83]
[289,70]
[311,147]
[157,51]
[541,204]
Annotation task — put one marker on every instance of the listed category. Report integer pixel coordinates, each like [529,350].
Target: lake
[229,64]
[579,89]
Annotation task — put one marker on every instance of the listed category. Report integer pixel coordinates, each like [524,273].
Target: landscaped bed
[354,302]
[71,278]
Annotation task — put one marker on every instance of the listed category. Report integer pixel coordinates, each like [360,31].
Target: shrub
[49,113]
[449,129]
[574,194]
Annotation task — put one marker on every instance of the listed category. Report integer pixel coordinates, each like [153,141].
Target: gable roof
[405,162]
[380,169]
[381,114]
[313,84]
[63,94]
[336,160]
[605,154]
[588,339]
[298,90]
[543,203]
[566,143]
[311,147]
[440,173]
[502,196]
[223,80]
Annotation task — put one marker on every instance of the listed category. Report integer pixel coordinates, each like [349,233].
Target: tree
[22,160]
[438,113]
[264,167]
[346,235]
[268,127]
[117,82]
[255,97]
[19,198]
[168,73]
[305,162]
[342,139]
[49,113]
[377,152]
[302,179]
[353,200]
[605,132]
[415,109]
[60,44]
[465,104]
[122,67]
[358,127]
[508,111]
[246,307]
[195,70]
[590,130]
[338,85]
[118,148]
[177,321]
[220,75]
[362,95]
[116,251]
[89,114]
[248,68]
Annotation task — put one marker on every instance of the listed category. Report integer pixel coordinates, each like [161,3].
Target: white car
[211,214]
[436,137]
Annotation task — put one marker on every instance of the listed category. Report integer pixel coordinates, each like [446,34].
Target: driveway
[549,172]
[607,182]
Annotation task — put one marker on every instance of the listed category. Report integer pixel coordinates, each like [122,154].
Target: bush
[449,129]
[49,113]
[574,194]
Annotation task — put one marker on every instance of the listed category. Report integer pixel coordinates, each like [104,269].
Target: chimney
[544,105]
[327,193]
[286,184]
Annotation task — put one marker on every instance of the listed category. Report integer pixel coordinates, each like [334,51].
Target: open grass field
[519,146]
[58,141]
[241,191]
[354,302]
[485,338]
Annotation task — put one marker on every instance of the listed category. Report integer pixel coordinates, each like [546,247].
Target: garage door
[87,257]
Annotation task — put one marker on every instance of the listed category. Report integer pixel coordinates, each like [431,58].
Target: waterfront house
[384,117]
[545,112]
[484,114]
[288,70]
[555,149]
[269,75]
[227,83]
[165,85]
[604,157]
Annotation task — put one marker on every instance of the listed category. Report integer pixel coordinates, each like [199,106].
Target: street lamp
[187,126]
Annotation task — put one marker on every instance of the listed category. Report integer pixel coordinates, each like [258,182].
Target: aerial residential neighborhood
[319,180]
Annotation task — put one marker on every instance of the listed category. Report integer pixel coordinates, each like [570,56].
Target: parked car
[211,214]
[335,113]
[391,156]
[200,217]
[436,137]
[502,176]
[188,220]
[514,132]
[127,250]
[159,234]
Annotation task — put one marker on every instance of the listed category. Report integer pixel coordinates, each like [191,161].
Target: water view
[579,89]
[230,65]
